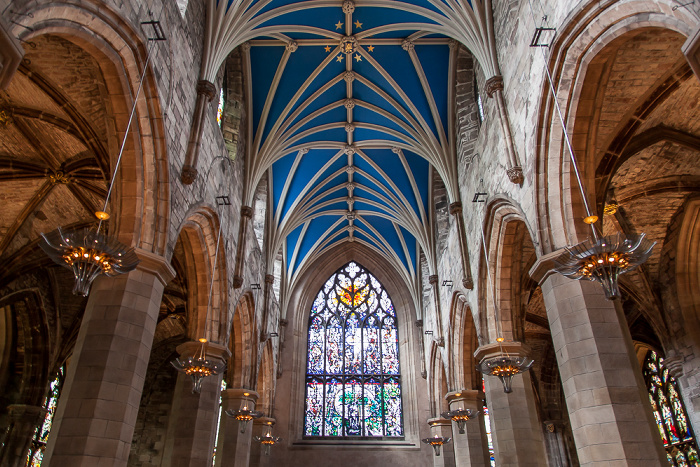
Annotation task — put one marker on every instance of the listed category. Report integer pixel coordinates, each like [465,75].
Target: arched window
[353,384]
[41,433]
[669,413]
[220,108]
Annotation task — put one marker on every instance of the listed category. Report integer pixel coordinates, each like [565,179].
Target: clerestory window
[353,382]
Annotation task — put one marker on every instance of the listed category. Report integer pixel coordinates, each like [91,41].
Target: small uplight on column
[460,416]
[436,442]
[244,415]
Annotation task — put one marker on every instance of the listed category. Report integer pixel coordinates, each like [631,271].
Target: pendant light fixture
[599,258]
[460,417]
[198,366]
[436,442]
[87,252]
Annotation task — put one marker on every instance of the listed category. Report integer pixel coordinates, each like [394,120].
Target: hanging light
[436,442]
[90,253]
[198,366]
[244,415]
[604,259]
[267,440]
[460,417]
[505,366]
[601,259]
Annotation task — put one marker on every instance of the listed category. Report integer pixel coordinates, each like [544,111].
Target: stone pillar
[608,405]
[554,440]
[421,337]
[192,425]
[494,89]
[440,339]
[246,215]
[516,433]
[23,421]
[269,280]
[442,427]
[206,92]
[99,403]
[471,447]
[233,447]
[456,211]
[691,50]
[257,456]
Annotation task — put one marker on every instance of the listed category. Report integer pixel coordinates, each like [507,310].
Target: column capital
[493,84]
[155,265]
[433,279]
[206,88]
[456,208]
[469,396]
[544,266]
[265,421]
[246,211]
[240,393]
[269,279]
[214,351]
[439,421]
[498,349]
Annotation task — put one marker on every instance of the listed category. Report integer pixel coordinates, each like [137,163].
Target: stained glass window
[669,414]
[220,108]
[353,383]
[487,424]
[41,433]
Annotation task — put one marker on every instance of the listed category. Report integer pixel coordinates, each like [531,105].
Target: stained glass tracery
[669,414]
[353,383]
[41,433]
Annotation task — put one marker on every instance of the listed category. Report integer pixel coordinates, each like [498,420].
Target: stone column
[516,433]
[494,89]
[442,427]
[471,447]
[269,280]
[23,421]
[456,211]
[421,340]
[608,405]
[557,453]
[99,403]
[192,425]
[246,215]
[233,446]
[257,456]
[206,92]
[440,339]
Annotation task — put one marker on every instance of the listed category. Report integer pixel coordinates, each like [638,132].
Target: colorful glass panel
[487,425]
[669,413]
[220,108]
[353,386]
[41,433]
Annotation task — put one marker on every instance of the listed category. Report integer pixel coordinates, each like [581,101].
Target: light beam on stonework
[90,253]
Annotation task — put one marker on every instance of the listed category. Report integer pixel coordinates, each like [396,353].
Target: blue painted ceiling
[349,131]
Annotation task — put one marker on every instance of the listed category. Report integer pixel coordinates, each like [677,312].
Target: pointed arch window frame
[318,377]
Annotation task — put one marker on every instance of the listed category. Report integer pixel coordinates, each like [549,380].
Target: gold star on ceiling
[339,58]
[370,48]
[338,25]
[358,58]
[358,25]
[328,48]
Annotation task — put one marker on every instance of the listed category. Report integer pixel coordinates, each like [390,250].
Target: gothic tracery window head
[353,381]
[669,413]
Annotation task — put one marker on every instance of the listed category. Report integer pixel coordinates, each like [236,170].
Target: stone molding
[214,351]
[456,208]
[156,265]
[207,89]
[470,396]
[691,50]
[498,349]
[265,421]
[433,279]
[544,266]
[439,421]
[240,393]
[11,54]
[493,84]
[246,211]
[515,175]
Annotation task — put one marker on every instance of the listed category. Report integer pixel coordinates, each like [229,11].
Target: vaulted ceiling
[351,106]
